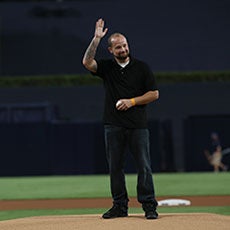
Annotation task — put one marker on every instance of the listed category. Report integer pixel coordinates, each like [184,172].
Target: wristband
[133,102]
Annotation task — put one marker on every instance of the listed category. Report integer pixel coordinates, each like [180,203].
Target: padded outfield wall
[64,125]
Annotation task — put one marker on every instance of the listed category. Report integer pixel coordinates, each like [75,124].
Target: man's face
[119,48]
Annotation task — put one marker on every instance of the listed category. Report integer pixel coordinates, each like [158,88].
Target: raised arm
[89,56]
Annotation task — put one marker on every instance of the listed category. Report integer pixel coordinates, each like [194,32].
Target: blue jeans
[116,140]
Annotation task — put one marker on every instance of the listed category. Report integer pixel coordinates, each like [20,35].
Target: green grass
[57,187]
[168,184]
[180,184]
[54,187]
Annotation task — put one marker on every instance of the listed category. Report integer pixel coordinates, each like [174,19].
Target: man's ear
[110,49]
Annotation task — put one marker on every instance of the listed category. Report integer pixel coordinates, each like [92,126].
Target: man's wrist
[133,102]
[96,38]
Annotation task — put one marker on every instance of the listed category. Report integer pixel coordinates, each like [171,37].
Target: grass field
[172,184]
[57,187]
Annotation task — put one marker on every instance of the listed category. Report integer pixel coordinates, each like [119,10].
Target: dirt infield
[198,221]
[102,203]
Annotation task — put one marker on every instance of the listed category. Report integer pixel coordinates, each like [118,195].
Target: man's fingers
[100,31]
[105,31]
[100,23]
[123,104]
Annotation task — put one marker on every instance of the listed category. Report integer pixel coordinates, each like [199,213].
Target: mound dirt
[197,221]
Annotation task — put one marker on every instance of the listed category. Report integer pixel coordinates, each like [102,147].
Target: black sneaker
[151,215]
[116,211]
[150,210]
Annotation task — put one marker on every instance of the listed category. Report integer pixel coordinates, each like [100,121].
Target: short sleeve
[150,81]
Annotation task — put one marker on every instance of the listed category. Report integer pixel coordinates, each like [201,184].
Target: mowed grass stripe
[95,186]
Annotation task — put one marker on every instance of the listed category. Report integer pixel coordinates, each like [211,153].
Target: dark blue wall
[61,148]
[81,108]
[51,37]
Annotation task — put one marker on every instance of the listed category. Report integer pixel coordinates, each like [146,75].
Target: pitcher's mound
[192,221]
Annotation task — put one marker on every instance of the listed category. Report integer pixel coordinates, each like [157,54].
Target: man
[215,155]
[129,86]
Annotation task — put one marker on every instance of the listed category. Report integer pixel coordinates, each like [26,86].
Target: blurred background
[51,109]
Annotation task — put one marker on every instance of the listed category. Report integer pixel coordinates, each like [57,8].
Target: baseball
[118,103]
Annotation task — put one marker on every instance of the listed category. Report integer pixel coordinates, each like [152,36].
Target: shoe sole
[151,217]
[113,217]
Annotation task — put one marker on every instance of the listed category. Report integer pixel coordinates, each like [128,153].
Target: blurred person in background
[214,153]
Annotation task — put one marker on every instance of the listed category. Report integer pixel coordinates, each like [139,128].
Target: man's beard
[122,57]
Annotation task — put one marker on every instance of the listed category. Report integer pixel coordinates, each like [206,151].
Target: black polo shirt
[135,79]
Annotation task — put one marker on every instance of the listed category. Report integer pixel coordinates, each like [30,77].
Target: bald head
[115,36]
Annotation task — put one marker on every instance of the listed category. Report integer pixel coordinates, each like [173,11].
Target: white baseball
[118,103]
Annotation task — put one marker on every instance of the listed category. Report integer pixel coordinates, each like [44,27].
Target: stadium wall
[56,121]
[51,37]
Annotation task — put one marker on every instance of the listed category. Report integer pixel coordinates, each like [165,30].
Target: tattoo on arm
[88,59]
[91,51]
